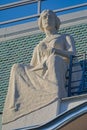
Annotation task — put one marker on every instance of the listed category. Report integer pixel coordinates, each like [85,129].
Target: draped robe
[39,83]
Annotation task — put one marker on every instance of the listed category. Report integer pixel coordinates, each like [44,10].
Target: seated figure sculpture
[36,85]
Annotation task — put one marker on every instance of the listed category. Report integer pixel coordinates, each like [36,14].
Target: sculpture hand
[50,51]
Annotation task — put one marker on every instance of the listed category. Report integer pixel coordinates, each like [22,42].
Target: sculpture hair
[57,20]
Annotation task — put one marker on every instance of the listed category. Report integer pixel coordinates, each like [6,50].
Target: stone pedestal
[36,118]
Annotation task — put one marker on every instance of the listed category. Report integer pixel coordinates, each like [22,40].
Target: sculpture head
[48,20]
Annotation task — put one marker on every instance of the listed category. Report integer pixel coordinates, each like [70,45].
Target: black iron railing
[77,75]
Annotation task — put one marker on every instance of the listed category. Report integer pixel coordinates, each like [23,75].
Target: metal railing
[17,4]
[80,85]
[21,3]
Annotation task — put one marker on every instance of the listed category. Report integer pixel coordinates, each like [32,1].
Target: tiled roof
[20,50]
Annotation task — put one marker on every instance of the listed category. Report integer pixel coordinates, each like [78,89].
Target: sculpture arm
[69,47]
[63,53]
[39,66]
[70,44]
[34,58]
[36,62]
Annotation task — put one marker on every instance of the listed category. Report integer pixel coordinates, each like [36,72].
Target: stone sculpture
[36,85]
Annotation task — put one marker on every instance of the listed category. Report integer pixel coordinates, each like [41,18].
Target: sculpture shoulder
[63,36]
[67,36]
[41,45]
[58,39]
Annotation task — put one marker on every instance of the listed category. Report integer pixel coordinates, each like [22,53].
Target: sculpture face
[48,20]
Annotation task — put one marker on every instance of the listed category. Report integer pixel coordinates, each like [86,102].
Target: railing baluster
[84,60]
[82,87]
[70,76]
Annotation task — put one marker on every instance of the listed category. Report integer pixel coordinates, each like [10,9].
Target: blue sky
[32,8]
